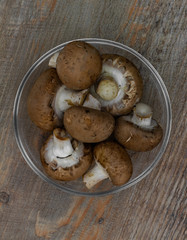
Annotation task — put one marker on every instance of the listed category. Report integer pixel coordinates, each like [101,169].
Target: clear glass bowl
[30,138]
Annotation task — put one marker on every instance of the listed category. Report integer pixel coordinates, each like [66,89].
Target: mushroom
[48,99]
[65,158]
[88,125]
[111,161]
[138,132]
[78,65]
[120,85]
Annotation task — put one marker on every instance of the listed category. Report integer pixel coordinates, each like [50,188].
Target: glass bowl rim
[168,114]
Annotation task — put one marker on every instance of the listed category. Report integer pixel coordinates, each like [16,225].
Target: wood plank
[154,208]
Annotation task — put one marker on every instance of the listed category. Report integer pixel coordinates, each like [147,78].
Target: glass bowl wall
[30,138]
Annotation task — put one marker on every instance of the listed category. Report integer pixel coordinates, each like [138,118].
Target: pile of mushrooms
[90,103]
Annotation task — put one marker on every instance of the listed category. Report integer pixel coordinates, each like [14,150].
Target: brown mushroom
[120,85]
[112,161]
[138,132]
[65,158]
[78,65]
[48,99]
[40,99]
[88,125]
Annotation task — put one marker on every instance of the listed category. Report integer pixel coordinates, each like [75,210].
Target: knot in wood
[4,197]
[101,220]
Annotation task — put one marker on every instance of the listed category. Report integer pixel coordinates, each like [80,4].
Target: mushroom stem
[107,88]
[53,59]
[66,98]
[92,102]
[95,175]
[61,144]
[142,115]
[59,152]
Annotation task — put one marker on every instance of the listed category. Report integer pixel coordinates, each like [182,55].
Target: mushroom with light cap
[111,161]
[48,99]
[120,85]
[78,65]
[65,158]
[138,132]
[88,125]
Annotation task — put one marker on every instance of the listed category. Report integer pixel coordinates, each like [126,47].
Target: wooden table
[154,208]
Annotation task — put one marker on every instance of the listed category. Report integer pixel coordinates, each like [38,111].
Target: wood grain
[153,209]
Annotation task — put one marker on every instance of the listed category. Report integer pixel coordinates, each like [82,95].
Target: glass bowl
[30,138]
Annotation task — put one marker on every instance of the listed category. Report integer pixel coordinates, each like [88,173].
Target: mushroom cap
[70,173]
[128,79]
[39,102]
[88,125]
[115,160]
[137,138]
[78,65]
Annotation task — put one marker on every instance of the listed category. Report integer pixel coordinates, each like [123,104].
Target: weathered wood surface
[153,209]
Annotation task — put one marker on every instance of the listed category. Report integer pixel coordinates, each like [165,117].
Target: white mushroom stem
[62,146]
[53,59]
[59,151]
[66,98]
[95,175]
[142,115]
[107,89]
[92,102]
